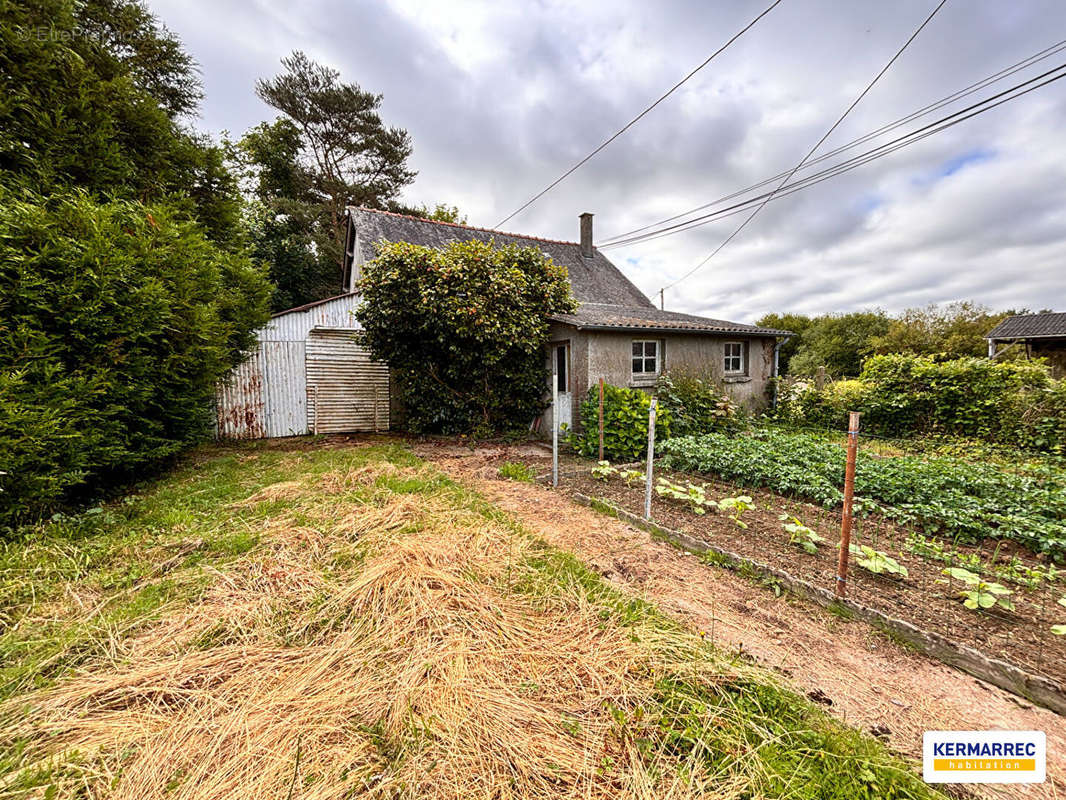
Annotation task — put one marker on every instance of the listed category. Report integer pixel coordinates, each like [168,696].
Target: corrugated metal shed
[346,389]
[271,395]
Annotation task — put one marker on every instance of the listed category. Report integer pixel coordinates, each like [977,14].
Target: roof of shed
[602,316]
[1031,326]
[592,280]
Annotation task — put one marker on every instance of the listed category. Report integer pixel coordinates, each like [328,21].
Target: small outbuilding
[1042,335]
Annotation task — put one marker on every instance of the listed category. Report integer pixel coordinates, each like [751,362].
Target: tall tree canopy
[954,330]
[349,154]
[93,95]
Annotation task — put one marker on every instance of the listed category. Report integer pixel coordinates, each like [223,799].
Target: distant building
[1043,335]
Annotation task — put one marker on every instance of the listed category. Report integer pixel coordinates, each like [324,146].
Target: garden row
[942,496]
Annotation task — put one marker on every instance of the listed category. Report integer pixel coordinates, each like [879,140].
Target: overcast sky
[500,98]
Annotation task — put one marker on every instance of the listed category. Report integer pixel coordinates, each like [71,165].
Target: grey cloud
[501,98]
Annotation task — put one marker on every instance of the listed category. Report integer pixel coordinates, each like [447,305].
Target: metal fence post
[601,419]
[555,420]
[651,457]
[849,496]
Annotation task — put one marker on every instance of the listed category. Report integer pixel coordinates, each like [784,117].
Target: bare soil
[866,679]
[925,598]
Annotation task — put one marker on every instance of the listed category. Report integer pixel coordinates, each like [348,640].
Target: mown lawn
[302,621]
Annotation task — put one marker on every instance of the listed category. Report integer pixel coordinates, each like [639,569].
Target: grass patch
[353,623]
[517,471]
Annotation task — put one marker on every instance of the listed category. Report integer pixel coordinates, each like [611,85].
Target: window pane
[638,348]
[649,365]
[650,349]
[638,365]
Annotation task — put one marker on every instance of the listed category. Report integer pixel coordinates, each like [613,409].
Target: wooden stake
[601,419]
[849,496]
[651,457]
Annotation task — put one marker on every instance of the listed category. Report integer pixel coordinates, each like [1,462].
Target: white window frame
[643,358]
[735,352]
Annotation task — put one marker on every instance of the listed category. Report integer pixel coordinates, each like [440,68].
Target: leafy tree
[797,323]
[351,157]
[441,212]
[287,222]
[839,342]
[464,329]
[92,95]
[116,322]
[955,330]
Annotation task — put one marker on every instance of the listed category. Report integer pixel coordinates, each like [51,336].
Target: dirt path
[870,681]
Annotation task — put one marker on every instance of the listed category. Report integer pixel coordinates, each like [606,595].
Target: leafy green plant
[603,470]
[877,561]
[631,476]
[625,424]
[736,506]
[980,593]
[800,535]
[463,329]
[695,496]
[966,500]
[697,402]
[516,471]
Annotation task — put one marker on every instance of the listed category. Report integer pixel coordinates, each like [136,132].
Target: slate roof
[608,299]
[592,280]
[1031,326]
[600,316]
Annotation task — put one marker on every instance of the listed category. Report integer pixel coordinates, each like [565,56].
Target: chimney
[586,234]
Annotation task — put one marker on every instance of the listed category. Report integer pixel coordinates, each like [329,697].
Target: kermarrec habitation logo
[984,757]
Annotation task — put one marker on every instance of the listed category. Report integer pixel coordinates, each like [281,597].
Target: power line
[847,165]
[635,119]
[1025,63]
[818,144]
[865,158]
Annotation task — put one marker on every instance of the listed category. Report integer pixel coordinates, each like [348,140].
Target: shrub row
[1014,403]
[116,322]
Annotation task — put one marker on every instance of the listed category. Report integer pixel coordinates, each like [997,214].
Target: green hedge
[625,424]
[116,322]
[1013,403]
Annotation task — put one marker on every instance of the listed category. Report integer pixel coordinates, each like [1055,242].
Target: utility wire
[1046,53]
[859,161]
[847,165]
[810,152]
[635,119]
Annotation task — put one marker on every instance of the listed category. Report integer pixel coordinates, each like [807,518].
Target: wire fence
[968,548]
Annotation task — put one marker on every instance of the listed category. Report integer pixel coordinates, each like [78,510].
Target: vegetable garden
[970,550]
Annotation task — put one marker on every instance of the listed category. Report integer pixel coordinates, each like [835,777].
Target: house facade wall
[598,354]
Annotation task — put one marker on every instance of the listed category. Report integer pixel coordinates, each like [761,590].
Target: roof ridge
[466,227]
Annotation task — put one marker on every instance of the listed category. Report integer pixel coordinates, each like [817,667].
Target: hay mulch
[382,650]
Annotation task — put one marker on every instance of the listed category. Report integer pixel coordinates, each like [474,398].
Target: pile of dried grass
[418,674]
